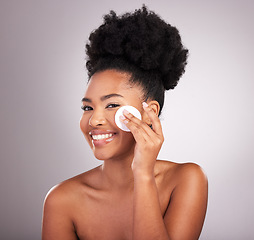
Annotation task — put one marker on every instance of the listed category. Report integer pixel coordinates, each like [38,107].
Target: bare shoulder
[180,171]
[68,191]
[188,199]
[63,203]
[192,176]
[60,194]
[180,176]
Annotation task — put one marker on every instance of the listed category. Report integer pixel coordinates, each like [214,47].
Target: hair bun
[142,38]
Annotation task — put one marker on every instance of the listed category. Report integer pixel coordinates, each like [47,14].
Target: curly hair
[141,44]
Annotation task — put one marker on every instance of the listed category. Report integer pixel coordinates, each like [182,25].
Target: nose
[97,119]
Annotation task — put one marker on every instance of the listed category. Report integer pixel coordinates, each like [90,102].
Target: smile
[101,136]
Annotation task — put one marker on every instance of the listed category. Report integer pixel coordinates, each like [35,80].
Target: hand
[148,141]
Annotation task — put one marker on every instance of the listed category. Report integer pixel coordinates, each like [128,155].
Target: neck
[117,174]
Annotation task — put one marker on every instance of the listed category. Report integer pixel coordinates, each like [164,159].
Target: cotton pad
[119,113]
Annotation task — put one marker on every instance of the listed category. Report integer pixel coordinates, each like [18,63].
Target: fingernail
[125,111]
[145,104]
[123,119]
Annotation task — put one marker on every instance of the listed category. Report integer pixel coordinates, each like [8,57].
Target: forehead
[111,81]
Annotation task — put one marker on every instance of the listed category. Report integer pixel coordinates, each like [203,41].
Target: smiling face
[107,91]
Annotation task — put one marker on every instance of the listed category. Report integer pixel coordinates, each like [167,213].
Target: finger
[140,130]
[137,122]
[142,133]
[154,119]
[138,133]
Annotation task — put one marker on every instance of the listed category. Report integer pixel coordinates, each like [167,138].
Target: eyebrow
[103,98]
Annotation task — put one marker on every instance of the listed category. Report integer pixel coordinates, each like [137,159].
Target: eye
[112,105]
[86,108]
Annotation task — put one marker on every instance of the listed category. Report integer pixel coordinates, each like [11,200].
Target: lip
[101,131]
[103,141]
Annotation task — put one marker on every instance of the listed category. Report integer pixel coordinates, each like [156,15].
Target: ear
[155,106]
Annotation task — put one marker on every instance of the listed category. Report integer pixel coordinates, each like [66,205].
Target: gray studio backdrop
[208,118]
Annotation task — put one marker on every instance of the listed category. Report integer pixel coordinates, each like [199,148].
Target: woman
[132,60]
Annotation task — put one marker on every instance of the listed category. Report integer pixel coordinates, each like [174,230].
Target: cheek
[127,139]
[111,118]
[84,123]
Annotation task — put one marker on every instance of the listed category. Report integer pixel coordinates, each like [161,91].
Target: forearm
[147,219]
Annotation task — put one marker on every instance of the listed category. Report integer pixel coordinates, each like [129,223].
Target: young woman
[132,60]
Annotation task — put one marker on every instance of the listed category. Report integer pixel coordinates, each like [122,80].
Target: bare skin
[131,195]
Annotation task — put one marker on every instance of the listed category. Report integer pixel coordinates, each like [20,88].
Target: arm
[185,214]
[56,222]
[147,219]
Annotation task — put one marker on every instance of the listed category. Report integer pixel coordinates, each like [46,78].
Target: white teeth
[102,136]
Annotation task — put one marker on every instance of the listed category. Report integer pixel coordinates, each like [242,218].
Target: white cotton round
[119,113]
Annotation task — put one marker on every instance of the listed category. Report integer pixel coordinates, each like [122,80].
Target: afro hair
[142,44]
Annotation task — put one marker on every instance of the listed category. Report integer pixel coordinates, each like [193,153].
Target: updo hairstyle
[141,44]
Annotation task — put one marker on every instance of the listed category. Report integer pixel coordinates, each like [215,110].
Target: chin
[118,153]
[104,155]
[100,155]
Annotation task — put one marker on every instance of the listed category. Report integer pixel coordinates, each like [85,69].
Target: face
[106,92]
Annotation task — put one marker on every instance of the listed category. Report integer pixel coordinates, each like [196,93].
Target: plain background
[208,119]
